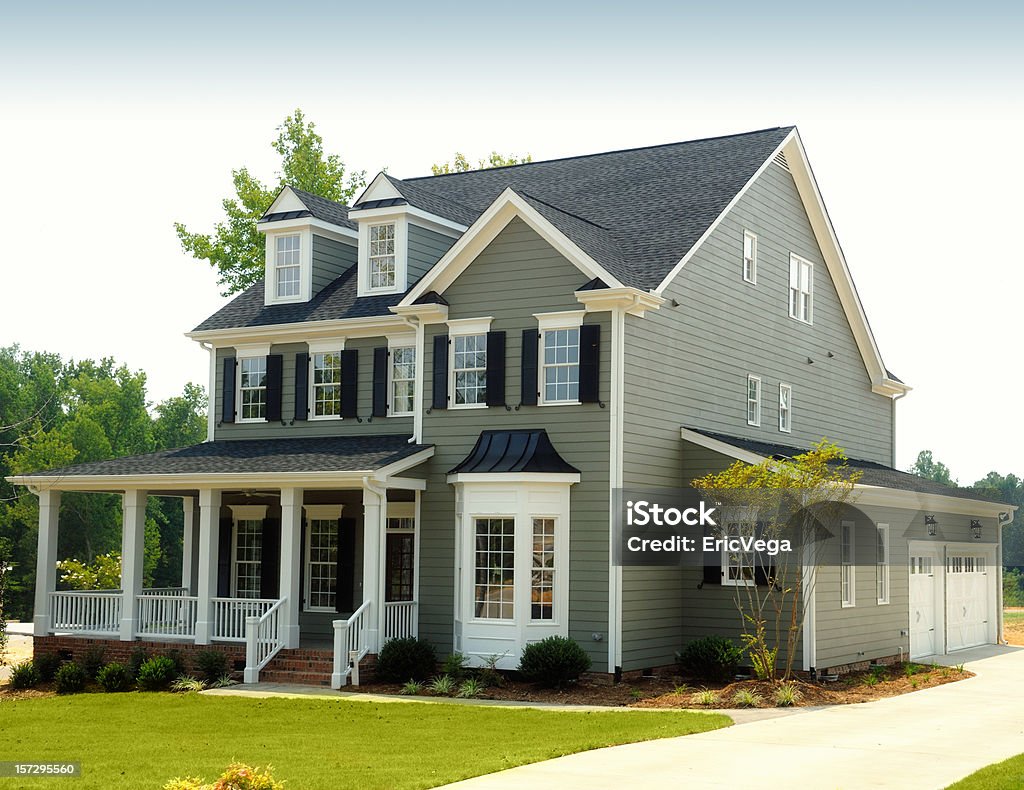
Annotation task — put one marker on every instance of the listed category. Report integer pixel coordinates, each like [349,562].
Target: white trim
[379,188]
[339,233]
[423,219]
[462,328]
[788,411]
[557,322]
[752,279]
[305,293]
[325,512]
[800,262]
[401,341]
[718,446]
[551,478]
[401,224]
[756,422]
[239,358]
[410,342]
[311,385]
[253,350]
[401,510]
[566,319]
[487,226]
[326,345]
[883,567]
[632,300]
[469,326]
[319,514]
[848,602]
[248,512]
[616,424]
[300,332]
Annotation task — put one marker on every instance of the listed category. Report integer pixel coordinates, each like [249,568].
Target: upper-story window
[381,260]
[252,388]
[560,365]
[287,265]
[801,286]
[469,370]
[403,381]
[325,385]
[749,257]
[785,408]
[753,400]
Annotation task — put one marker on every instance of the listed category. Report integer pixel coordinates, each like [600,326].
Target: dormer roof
[294,203]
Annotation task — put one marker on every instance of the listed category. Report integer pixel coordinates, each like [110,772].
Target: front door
[923,598]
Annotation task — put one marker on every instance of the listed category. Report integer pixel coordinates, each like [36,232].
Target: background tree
[236,247]
[926,466]
[460,164]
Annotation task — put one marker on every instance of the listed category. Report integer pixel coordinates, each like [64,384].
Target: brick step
[296,678]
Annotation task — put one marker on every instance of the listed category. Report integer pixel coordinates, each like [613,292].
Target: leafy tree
[236,248]
[926,466]
[103,573]
[5,569]
[460,164]
[181,419]
[785,498]
[1010,489]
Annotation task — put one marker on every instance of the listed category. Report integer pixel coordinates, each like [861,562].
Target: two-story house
[418,420]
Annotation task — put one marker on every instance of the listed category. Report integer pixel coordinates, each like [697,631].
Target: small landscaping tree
[788,498]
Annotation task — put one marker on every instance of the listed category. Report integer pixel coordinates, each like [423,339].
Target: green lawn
[1013,617]
[1007,775]
[142,740]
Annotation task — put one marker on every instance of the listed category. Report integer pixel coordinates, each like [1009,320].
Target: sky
[117,121]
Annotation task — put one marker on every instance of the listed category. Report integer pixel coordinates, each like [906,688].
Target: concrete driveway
[927,739]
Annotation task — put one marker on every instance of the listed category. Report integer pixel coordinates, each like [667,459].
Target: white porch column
[374,515]
[187,542]
[46,559]
[291,557]
[133,537]
[209,546]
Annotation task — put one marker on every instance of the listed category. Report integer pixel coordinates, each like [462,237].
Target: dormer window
[287,262]
[382,256]
[288,274]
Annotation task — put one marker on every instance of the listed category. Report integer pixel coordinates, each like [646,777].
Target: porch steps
[302,666]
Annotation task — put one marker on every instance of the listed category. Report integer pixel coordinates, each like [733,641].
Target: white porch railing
[264,637]
[86,612]
[351,644]
[400,619]
[171,615]
[230,614]
[182,591]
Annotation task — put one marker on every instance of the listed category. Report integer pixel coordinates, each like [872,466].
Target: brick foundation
[861,666]
[75,647]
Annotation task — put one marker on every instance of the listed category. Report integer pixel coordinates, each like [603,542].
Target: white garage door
[923,581]
[966,600]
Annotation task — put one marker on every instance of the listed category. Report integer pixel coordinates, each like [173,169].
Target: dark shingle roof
[523,450]
[872,473]
[322,454]
[327,210]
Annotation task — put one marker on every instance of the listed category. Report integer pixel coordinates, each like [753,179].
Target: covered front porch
[271,559]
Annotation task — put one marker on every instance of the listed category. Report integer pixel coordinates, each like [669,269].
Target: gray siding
[516,276]
[425,249]
[687,365]
[295,429]
[331,259]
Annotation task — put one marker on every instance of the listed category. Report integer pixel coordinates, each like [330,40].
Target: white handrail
[264,637]
[167,615]
[400,619]
[230,614]
[86,611]
[181,591]
[351,644]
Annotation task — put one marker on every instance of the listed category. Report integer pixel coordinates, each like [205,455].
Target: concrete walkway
[927,739]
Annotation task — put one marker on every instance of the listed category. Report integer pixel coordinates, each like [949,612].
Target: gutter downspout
[417,413]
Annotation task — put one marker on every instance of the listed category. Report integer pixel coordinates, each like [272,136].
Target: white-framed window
[252,388]
[801,287]
[847,566]
[542,572]
[400,553]
[753,400]
[287,265]
[325,385]
[749,257]
[402,381]
[737,566]
[468,384]
[785,408]
[381,258]
[882,562]
[560,365]
[494,568]
[248,558]
[321,564]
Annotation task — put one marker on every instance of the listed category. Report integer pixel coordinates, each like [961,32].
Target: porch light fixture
[931,524]
[976,528]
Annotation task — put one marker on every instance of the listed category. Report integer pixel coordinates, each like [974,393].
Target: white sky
[113,125]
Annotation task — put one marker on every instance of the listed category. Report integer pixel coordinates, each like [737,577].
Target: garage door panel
[967,585]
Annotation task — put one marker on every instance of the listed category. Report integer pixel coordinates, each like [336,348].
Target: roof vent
[780,160]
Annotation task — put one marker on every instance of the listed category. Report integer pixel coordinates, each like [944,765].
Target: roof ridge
[562,210]
[294,188]
[605,153]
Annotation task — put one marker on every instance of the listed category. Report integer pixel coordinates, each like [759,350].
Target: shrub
[745,698]
[47,664]
[707,698]
[92,660]
[412,687]
[455,665]
[405,659]
[25,676]
[187,683]
[682,688]
[70,678]
[712,658]
[135,661]
[787,695]
[554,661]
[442,684]
[223,682]
[156,673]
[211,664]
[178,659]
[236,777]
[114,677]
[471,687]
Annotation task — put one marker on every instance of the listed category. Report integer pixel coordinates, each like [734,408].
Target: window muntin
[801,284]
[882,563]
[469,370]
[403,380]
[495,561]
[287,258]
[322,564]
[749,257]
[560,365]
[847,568]
[252,388]
[737,566]
[248,557]
[381,259]
[399,563]
[753,400]
[542,576]
[785,408]
[325,384]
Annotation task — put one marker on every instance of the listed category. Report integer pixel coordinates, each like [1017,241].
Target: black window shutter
[270,558]
[380,382]
[301,386]
[495,369]
[528,372]
[345,569]
[712,571]
[590,363]
[275,364]
[224,558]
[349,382]
[440,400]
[227,391]
[764,567]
